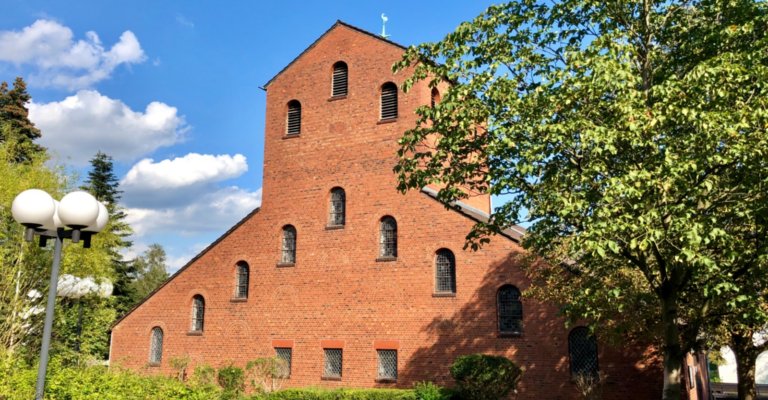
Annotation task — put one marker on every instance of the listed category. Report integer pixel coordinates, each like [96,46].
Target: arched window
[340,79]
[388,237]
[289,245]
[294,118]
[435,98]
[510,310]
[445,272]
[241,288]
[338,207]
[198,313]
[156,346]
[388,101]
[582,350]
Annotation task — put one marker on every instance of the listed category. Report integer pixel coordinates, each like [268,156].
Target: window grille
[510,310]
[289,245]
[294,118]
[582,349]
[388,237]
[387,364]
[388,101]
[283,355]
[340,79]
[435,98]
[241,291]
[156,346]
[445,272]
[338,206]
[332,368]
[198,313]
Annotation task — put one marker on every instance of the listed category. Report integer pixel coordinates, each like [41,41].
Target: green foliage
[339,394]
[265,374]
[15,116]
[150,272]
[484,377]
[430,391]
[232,379]
[203,375]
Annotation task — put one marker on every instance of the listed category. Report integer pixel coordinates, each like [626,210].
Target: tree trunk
[673,351]
[746,357]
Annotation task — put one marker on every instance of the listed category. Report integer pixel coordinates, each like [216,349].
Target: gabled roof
[514,233]
[192,261]
[334,26]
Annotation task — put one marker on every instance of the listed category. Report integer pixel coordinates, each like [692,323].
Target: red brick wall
[337,291]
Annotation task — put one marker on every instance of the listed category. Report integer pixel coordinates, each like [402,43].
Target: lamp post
[77,217]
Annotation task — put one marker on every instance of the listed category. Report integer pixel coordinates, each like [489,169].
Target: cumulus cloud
[82,124]
[58,60]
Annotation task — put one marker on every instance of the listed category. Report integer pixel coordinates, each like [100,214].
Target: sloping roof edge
[189,263]
[514,233]
[337,23]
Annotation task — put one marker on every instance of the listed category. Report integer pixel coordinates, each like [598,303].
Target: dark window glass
[289,245]
[445,272]
[388,101]
[582,349]
[388,237]
[435,98]
[156,346]
[510,310]
[294,118]
[332,367]
[340,79]
[338,206]
[283,355]
[387,364]
[241,290]
[198,313]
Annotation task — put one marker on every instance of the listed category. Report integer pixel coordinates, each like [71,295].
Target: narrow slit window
[510,310]
[156,346]
[340,79]
[445,272]
[434,98]
[582,350]
[388,101]
[338,207]
[294,118]
[387,365]
[388,237]
[289,245]
[241,289]
[198,313]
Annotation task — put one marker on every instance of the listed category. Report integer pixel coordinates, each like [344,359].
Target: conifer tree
[14,114]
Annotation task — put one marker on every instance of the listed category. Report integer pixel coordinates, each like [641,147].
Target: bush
[340,394]
[430,391]
[232,379]
[484,377]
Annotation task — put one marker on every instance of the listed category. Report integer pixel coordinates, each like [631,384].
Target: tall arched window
[289,245]
[445,272]
[582,350]
[435,97]
[340,79]
[294,118]
[156,346]
[388,101]
[198,313]
[242,276]
[337,209]
[388,237]
[510,310]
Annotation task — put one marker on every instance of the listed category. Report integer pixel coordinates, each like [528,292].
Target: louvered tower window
[388,101]
[338,207]
[241,288]
[509,310]
[582,350]
[434,98]
[340,79]
[156,346]
[198,313]
[445,272]
[289,245]
[294,118]
[388,237]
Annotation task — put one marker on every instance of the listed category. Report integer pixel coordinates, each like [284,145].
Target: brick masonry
[337,293]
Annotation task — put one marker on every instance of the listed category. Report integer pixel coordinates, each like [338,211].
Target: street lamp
[45,217]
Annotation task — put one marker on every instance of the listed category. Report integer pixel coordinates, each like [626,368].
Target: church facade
[350,282]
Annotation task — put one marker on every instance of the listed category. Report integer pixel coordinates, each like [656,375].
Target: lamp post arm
[48,327]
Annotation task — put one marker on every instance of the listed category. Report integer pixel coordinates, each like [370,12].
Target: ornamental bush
[484,377]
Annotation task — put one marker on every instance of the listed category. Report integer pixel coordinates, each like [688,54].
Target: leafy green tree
[14,112]
[151,272]
[632,133]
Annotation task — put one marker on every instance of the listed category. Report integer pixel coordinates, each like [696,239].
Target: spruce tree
[14,115]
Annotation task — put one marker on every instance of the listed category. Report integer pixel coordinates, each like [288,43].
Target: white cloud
[62,62]
[184,21]
[82,124]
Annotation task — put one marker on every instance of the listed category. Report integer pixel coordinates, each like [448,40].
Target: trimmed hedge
[340,394]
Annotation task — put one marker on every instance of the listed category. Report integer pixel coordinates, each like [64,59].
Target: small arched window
[198,313]
[294,118]
[445,272]
[338,206]
[582,350]
[156,346]
[510,310]
[388,101]
[241,284]
[340,79]
[289,245]
[434,98]
[388,237]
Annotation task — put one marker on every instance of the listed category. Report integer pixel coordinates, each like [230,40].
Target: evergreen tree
[14,113]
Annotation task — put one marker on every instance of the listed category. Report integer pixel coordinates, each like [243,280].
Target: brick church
[350,282]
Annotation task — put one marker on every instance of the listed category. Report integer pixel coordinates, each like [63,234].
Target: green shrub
[430,391]
[484,377]
[232,379]
[340,394]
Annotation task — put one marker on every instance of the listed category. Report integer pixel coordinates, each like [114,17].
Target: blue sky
[170,89]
